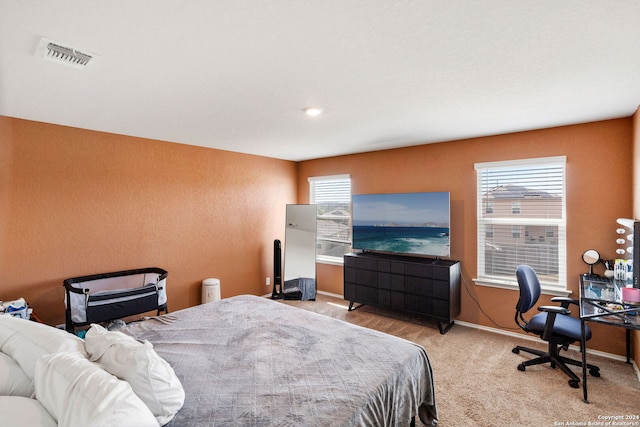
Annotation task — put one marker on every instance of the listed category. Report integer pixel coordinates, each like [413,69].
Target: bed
[251,361]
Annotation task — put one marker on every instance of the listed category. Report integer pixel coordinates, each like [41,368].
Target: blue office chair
[554,324]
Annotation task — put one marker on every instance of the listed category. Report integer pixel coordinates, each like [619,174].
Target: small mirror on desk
[591,257]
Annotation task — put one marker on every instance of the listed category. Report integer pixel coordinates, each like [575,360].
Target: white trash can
[210,290]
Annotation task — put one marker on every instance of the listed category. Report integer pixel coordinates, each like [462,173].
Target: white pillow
[150,376]
[13,380]
[22,411]
[78,393]
[25,341]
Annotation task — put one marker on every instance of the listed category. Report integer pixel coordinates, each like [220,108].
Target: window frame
[321,258]
[484,219]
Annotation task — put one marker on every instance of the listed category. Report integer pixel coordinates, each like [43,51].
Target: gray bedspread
[251,361]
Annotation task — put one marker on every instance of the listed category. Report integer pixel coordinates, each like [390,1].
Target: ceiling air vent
[63,54]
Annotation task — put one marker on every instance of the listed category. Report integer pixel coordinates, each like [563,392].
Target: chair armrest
[565,301]
[554,309]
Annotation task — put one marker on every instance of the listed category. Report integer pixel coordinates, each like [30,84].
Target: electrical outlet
[268,281]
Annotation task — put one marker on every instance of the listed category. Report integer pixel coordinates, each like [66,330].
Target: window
[488,231]
[332,195]
[524,195]
[489,208]
[549,231]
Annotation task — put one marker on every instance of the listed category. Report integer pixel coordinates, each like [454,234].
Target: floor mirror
[299,264]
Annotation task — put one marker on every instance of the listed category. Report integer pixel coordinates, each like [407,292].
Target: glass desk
[601,301]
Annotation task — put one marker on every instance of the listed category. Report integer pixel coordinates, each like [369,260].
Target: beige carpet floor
[477,382]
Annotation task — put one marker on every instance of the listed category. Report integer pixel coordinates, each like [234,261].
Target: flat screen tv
[402,223]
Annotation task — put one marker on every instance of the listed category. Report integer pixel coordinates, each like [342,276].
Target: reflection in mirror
[591,257]
[300,253]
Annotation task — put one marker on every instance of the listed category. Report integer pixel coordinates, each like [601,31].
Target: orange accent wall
[599,174]
[76,202]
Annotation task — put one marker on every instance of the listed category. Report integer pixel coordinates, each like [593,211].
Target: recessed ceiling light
[313,111]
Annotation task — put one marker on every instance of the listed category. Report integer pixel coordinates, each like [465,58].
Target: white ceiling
[235,75]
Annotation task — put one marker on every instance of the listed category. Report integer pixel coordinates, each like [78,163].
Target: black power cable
[466,286]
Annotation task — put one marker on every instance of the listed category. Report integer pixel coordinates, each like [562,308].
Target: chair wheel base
[594,372]
[574,383]
[516,350]
[521,367]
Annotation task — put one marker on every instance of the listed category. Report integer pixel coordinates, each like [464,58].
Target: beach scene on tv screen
[407,223]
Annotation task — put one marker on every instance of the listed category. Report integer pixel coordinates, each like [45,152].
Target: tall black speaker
[277,270]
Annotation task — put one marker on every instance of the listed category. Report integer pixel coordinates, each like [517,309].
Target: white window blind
[522,220]
[332,195]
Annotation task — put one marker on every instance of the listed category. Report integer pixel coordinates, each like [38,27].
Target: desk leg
[583,349]
[628,345]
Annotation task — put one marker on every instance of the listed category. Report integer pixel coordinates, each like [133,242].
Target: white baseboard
[536,339]
[331,294]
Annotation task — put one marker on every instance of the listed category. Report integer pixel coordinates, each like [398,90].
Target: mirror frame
[299,262]
[589,255]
